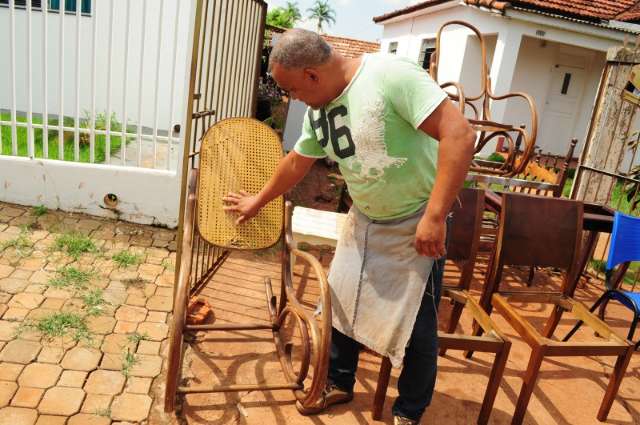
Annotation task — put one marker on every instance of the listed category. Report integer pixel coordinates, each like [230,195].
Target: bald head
[298,48]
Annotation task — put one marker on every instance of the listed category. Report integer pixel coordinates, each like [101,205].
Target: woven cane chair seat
[238,154]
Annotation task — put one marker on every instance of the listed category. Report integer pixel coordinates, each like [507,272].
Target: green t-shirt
[371,131]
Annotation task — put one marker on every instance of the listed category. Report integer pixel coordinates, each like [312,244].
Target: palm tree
[293,11]
[323,12]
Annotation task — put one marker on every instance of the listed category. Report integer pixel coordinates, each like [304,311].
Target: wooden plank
[585,349]
[593,321]
[524,328]
[485,344]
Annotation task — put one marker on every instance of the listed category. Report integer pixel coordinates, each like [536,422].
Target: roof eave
[415,10]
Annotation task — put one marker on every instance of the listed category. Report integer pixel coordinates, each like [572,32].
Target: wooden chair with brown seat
[462,249]
[547,231]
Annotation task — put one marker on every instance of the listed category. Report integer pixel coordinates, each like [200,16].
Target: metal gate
[225,70]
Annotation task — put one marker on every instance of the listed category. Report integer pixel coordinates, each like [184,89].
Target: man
[387,124]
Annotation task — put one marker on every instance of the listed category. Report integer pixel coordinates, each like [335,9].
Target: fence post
[615,107]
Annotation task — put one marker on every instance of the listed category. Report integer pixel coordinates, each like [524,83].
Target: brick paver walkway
[81,335]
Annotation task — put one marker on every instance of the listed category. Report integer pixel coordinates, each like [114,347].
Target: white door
[558,122]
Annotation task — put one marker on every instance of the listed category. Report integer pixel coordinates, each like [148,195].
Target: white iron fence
[101,83]
[94,95]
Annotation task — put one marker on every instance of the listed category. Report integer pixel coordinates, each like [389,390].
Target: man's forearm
[291,169]
[454,159]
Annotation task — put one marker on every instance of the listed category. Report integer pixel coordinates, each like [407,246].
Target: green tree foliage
[323,13]
[284,17]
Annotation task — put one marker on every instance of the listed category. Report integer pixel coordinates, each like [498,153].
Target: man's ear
[311,74]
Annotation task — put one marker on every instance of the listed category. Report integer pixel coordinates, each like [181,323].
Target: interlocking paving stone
[18,416]
[131,313]
[87,419]
[10,371]
[130,407]
[72,378]
[20,351]
[7,390]
[40,375]
[61,401]
[153,330]
[27,397]
[96,403]
[104,382]
[81,358]
[51,420]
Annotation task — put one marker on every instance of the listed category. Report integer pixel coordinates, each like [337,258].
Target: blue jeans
[418,376]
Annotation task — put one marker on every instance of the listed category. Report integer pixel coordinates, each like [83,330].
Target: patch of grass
[71,277]
[103,412]
[598,266]
[39,210]
[60,324]
[74,244]
[135,338]
[125,258]
[128,362]
[93,301]
[21,244]
[100,142]
[167,264]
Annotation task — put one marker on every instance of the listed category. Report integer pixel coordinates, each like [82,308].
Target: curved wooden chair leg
[316,335]
[176,340]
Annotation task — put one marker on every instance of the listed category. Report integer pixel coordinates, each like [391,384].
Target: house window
[426,50]
[393,47]
[35,4]
[54,5]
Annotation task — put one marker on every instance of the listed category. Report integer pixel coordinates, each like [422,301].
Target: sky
[354,18]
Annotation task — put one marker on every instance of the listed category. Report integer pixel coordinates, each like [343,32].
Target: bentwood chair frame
[202,257]
[482,122]
[547,231]
[462,248]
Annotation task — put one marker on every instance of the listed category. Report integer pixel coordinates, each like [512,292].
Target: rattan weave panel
[238,154]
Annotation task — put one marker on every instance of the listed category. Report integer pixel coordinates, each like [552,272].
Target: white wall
[79,187]
[120,46]
[460,58]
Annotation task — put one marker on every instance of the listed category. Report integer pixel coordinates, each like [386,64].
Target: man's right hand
[243,204]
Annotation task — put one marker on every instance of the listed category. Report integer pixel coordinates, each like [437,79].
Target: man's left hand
[430,237]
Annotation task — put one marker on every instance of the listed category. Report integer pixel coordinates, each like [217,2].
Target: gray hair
[298,48]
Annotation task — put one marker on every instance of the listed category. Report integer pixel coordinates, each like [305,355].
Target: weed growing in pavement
[74,244]
[125,258]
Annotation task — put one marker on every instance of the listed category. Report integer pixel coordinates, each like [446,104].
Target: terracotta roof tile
[624,10]
[350,47]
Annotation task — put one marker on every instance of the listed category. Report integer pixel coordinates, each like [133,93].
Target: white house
[553,50]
